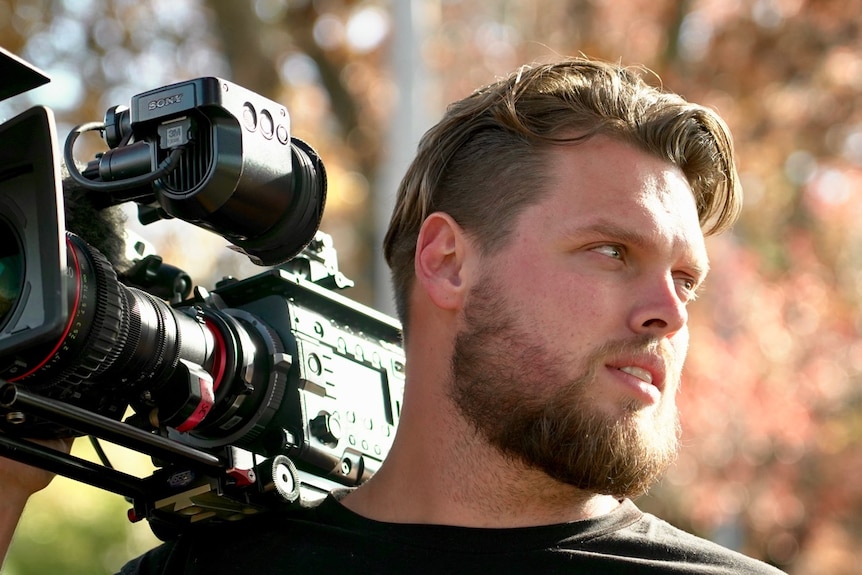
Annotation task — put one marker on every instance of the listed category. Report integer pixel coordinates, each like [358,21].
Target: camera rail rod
[72,467]
[14,398]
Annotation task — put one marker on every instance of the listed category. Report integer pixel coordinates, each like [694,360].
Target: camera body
[262,392]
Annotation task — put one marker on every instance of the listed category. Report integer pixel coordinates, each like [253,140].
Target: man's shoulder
[269,538]
[654,540]
[324,537]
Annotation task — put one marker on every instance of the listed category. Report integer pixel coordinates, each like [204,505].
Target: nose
[658,311]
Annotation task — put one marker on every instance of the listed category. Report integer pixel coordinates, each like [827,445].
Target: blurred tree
[772,406]
[327,62]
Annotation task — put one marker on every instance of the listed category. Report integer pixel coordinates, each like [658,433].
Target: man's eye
[688,288]
[612,251]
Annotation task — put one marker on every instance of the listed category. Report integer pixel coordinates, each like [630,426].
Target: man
[545,245]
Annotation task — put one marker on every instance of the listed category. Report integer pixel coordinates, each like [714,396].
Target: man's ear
[442,250]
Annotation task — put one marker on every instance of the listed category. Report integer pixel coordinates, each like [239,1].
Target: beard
[499,369]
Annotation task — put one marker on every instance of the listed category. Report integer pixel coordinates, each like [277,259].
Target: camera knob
[280,475]
[326,428]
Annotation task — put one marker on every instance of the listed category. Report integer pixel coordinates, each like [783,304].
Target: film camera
[259,393]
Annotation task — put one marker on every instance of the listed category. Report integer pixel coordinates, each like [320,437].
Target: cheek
[570,318]
[680,344]
[679,347]
[558,300]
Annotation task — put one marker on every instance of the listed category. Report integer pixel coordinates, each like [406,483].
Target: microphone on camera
[103,227]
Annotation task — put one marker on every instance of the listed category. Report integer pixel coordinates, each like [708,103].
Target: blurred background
[772,399]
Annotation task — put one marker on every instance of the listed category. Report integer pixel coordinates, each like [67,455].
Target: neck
[440,471]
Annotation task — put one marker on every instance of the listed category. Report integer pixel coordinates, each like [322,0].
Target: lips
[650,369]
[639,372]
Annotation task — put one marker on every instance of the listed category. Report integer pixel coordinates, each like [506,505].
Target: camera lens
[11,271]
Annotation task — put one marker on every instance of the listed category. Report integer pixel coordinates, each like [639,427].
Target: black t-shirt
[329,539]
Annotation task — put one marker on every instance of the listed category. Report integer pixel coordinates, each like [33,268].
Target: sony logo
[166,101]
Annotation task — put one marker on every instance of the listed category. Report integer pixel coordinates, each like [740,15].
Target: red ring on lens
[219,357]
[72,313]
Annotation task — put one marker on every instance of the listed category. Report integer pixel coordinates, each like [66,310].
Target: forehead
[602,181]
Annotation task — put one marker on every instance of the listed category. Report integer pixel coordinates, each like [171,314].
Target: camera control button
[326,428]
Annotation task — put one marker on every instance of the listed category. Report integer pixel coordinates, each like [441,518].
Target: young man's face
[575,335]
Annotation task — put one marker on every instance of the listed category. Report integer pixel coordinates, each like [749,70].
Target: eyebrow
[614,231]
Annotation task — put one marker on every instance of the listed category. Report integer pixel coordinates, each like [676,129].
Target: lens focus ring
[99,323]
